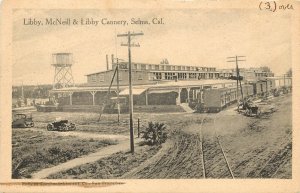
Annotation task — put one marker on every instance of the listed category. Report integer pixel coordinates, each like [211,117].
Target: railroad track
[214,161]
[191,156]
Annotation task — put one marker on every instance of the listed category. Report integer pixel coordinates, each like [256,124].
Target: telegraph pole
[118,89]
[129,45]
[237,59]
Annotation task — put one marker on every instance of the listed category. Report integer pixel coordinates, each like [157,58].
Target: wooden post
[107,64]
[138,127]
[129,45]
[178,100]
[146,98]
[188,94]
[130,96]
[70,94]
[118,91]
[93,94]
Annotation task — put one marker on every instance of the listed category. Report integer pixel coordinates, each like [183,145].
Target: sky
[188,37]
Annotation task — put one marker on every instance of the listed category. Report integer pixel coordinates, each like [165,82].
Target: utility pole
[106,99]
[118,88]
[237,59]
[129,45]
[107,65]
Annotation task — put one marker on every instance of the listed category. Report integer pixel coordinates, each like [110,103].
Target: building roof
[99,72]
[171,85]
[193,83]
[135,91]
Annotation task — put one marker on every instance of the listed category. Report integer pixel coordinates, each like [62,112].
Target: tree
[155,133]
[289,72]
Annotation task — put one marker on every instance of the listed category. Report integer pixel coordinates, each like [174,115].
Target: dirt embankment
[254,147]
[182,160]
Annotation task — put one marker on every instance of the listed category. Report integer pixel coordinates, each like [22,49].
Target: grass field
[35,150]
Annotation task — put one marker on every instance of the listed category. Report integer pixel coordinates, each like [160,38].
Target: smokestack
[107,65]
[112,59]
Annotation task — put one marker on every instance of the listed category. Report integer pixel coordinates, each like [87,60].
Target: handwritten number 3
[268,5]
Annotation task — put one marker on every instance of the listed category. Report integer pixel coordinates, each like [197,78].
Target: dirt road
[81,134]
[254,147]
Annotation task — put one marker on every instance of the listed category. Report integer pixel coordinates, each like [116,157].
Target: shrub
[155,133]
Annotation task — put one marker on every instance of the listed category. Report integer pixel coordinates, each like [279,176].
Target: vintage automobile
[62,125]
[21,120]
[112,106]
[248,108]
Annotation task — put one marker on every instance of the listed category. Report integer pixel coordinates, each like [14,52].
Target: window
[201,76]
[123,66]
[93,78]
[182,76]
[101,77]
[157,76]
[156,67]
[169,76]
[192,75]
[140,76]
[143,66]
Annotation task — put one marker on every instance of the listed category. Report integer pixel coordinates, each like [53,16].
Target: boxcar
[218,98]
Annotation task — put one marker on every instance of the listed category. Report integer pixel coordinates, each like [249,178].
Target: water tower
[63,72]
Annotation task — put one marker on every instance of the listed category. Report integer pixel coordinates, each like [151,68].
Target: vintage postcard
[149,96]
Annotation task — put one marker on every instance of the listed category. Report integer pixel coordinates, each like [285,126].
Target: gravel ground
[254,147]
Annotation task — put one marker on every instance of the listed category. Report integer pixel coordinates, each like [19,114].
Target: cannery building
[162,87]
[154,73]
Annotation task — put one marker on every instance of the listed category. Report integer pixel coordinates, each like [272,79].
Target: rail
[220,145]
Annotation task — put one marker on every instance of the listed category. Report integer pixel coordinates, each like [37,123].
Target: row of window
[96,78]
[101,77]
[165,67]
[183,76]
[260,74]
[227,97]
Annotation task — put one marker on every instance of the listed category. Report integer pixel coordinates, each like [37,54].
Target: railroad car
[216,99]
[248,90]
[259,87]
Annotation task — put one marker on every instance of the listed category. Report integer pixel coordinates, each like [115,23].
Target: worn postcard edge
[238,185]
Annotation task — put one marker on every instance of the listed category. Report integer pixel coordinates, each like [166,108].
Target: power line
[116,43]
[129,35]
[236,60]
